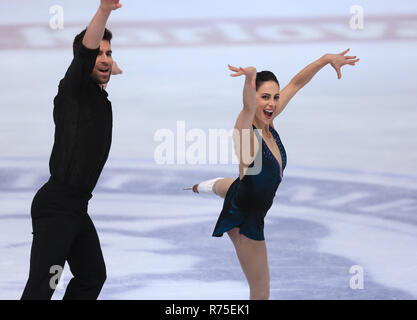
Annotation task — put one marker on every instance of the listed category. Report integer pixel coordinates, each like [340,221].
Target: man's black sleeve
[67,105]
[79,72]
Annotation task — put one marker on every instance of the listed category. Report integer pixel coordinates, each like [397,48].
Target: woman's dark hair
[79,38]
[265,76]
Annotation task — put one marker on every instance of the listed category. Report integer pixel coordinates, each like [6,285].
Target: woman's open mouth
[268,113]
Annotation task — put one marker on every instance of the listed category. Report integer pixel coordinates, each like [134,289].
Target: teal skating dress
[248,200]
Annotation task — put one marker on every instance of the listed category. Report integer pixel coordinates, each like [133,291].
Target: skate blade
[191,188]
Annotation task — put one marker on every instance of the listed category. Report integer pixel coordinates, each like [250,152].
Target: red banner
[217,32]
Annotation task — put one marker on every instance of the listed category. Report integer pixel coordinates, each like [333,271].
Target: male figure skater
[62,229]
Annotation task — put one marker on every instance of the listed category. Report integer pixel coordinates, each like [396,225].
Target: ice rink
[348,196]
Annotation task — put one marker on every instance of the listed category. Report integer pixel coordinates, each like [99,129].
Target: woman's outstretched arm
[337,61]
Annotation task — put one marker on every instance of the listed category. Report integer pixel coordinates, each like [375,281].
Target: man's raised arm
[95,29]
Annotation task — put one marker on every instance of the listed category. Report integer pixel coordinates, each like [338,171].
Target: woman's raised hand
[249,72]
[339,60]
[115,69]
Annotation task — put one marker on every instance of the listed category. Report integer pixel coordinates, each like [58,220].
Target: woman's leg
[219,186]
[252,256]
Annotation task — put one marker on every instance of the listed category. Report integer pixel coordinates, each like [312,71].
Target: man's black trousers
[63,231]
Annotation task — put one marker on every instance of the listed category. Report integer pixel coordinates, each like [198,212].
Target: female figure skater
[248,198]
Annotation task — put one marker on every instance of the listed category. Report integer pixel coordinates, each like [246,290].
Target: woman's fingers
[351,61]
[237,70]
[233,68]
[339,74]
[344,52]
[237,74]
[249,72]
[243,71]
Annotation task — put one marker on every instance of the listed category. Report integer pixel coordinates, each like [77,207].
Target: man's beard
[97,80]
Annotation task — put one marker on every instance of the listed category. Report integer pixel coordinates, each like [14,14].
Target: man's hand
[109,5]
[95,29]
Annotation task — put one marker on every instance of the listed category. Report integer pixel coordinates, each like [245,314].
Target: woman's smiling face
[267,99]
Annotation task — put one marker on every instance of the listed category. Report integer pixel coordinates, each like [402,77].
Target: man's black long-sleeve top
[83,125]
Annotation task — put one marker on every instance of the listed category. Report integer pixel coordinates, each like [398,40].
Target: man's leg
[52,237]
[86,263]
